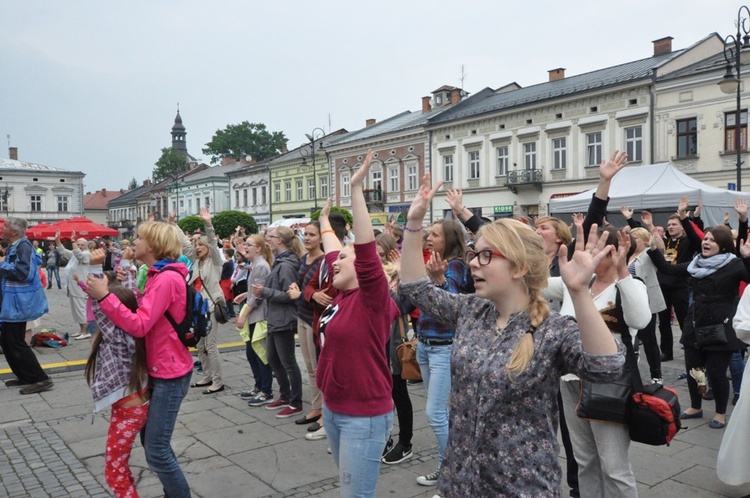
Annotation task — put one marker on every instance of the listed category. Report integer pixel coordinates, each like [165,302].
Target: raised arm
[362,228]
[412,264]
[455,197]
[213,249]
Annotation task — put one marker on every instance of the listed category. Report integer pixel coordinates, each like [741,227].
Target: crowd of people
[513,320]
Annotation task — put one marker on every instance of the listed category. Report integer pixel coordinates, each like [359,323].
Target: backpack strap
[167,314]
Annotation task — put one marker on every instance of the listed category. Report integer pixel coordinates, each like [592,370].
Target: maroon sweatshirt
[353,372]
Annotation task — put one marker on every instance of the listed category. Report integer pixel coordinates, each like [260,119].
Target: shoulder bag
[407,355]
[710,335]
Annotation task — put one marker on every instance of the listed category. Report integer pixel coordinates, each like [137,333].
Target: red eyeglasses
[484,256]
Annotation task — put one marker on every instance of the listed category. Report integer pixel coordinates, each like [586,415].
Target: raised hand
[96,287]
[682,207]
[647,219]
[576,272]
[205,215]
[744,248]
[436,267]
[726,218]
[697,212]
[620,257]
[325,211]
[72,235]
[656,241]
[171,217]
[96,256]
[395,257]
[422,200]
[454,197]
[740,206]
[626,212]
[609,168]
[358,178]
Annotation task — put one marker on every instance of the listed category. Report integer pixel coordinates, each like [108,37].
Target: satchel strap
[630,360]
[401,328]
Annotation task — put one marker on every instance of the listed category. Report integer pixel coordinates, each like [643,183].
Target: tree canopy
[226,222]
[335,209]
[245,139]
[133,184]
[171,164]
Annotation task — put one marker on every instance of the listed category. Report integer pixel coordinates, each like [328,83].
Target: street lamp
[737,53]
[313,138]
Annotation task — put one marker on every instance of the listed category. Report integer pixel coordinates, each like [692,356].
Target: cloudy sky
[93,86]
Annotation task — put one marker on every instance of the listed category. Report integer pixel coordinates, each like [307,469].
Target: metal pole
[738,117]
[315,178]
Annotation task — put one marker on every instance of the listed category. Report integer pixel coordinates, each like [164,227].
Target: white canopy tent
[657,187]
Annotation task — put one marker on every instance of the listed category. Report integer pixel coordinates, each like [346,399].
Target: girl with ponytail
[509,352]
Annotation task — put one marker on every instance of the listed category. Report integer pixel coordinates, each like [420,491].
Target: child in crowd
[117,373]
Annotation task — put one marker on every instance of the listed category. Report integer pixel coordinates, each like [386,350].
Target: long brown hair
[138,367]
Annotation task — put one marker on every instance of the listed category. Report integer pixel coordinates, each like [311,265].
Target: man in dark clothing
[17,267]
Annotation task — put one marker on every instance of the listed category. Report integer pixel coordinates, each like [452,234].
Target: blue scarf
[159,265]
[701,267]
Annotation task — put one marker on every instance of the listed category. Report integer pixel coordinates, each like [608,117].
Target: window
[236,198]
[300,190]
[324,187]
[255,196]
[36,202]
[502,161]
[411,177]
[62,203]
[263,195]
[634,143]
[376,178]
[244,198]
[190,205]
[288,191]
[393,180]
[730,130]
[208,202]
[687,137]
[311,188]
[345,186]
[474,165]
[277,192]
[529,155]
[559,153]
[593,148]
[198,205]
[448,168]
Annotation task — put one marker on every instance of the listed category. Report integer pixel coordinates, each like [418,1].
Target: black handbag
[610,402]
[710,335]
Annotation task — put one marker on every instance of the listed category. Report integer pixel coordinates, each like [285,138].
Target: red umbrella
[35,231]
[83,227]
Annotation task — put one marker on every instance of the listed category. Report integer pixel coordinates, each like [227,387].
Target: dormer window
[438,99]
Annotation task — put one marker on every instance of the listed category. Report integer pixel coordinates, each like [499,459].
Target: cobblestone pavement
[51,445]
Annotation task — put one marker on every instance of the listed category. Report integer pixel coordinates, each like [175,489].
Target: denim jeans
[435,364]
[53,270]
[736,369]
[156,436]
[262,373]
[356,445]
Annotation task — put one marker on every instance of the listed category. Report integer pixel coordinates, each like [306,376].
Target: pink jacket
[166,356]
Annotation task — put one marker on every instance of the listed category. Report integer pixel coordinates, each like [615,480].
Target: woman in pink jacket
[169,362]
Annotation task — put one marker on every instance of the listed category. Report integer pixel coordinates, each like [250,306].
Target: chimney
[104,192]
[556,74]
[228,160]
[455,96]
[369,122]
[663,45]
[13,153]
[146,182]
[426,107]
[284,149]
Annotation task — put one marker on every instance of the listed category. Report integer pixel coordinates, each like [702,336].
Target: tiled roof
[100,198]
[399,122]
[130,196]
[709,65]
[21,165]
[213,172]
[303,151]
[571,85]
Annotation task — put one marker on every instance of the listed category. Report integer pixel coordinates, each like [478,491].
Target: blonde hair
[524,249]
[641,233]
[164,240]
[562,231]
[290,240]
[260,241]
[391,271]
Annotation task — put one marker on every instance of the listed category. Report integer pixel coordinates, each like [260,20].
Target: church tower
[178,134]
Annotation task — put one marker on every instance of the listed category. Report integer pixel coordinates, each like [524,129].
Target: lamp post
[737,53]
[314,138]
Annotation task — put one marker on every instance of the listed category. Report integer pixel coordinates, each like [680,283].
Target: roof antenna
[178,107]
[463,75]
[8,137]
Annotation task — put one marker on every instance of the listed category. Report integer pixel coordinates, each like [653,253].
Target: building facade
[249,191]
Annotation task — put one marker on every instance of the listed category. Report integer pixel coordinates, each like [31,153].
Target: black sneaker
[250,394]
[388,446]
[709,395]
[397,454]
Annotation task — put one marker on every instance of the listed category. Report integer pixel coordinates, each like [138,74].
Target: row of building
[511,149]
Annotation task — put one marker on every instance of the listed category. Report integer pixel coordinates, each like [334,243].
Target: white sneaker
[82,336]
[315,436]
[429,479]
[657,380]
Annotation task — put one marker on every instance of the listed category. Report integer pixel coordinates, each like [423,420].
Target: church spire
[179,133]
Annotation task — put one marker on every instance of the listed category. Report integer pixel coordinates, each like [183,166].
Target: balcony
[523,178]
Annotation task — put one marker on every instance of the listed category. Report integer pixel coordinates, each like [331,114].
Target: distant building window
[263,195]
[687,137]
[593,148]
[393,180]
[345,186]
[730,130]
[190,205]
[208,202]
[411,177]
[236,198]
[300,190]
[502,161]
[244,197]
[559,153]
[198,205]
[634,143]
[448,168]
[62,203]
[276,192]
[474,165]
[288,191]
[311,188]
[36,203]
[376,181]
[324,187]
[529,155]
[255,196]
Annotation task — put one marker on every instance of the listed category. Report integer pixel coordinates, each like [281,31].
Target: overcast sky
[93,86]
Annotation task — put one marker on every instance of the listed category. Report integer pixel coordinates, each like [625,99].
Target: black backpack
[197,322]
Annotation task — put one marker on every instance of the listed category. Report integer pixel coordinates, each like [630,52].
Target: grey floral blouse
[502,439]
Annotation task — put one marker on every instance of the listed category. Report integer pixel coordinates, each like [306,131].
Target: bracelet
[413,229]
[327,231]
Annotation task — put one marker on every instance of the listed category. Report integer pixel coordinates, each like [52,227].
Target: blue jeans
[357,445]
[435,364]
[262,373]
[156,436]
[736,369]
[53,270]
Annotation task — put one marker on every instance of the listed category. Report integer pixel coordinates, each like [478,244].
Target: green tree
[172,164]
[133,184]
[245,139]
[226,222]
[336,209]
[190,223]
